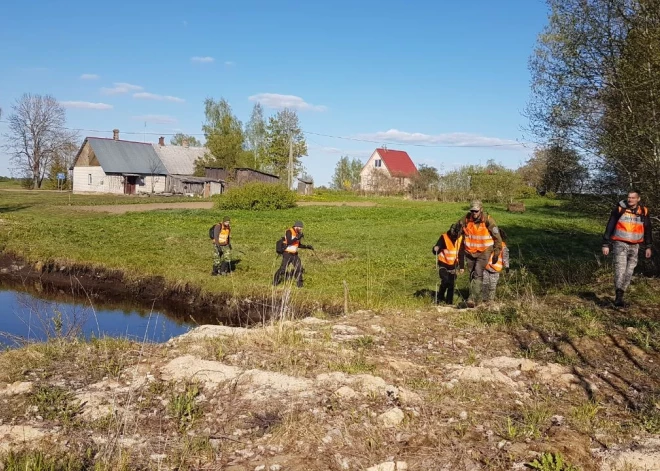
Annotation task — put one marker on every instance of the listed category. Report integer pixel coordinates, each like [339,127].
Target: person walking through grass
[448,248]
[493,270]
[222,247]
[293,238]
[482,244]
[628,228]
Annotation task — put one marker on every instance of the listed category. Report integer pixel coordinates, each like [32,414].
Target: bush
[257,197]
[527,192]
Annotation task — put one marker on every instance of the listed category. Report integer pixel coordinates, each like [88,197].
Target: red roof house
[387,166]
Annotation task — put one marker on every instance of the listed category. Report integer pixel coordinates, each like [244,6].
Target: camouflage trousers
[221,259]
[625,261]
[489,285]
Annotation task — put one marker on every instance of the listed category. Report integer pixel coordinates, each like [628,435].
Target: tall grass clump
[257,197]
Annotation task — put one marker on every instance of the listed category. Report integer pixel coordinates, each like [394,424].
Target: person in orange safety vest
[293,238]
[447,249]
[492,271]
[629,228]
[222,248]
[481,240]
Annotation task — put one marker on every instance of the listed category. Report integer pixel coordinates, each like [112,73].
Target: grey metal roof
[179,160]
[127,157]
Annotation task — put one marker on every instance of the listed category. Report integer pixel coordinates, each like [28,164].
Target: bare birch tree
[37,135]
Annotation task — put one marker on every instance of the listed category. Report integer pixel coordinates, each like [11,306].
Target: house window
[89,178]
[377,163]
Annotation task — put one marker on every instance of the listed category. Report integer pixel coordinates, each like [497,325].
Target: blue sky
[442,75]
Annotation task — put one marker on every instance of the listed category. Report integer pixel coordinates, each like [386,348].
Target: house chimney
[185,142]
[161,141]
[115,134]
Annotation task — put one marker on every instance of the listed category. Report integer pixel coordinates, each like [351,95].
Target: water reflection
[26,317]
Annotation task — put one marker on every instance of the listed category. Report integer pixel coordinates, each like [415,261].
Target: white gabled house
[394,165]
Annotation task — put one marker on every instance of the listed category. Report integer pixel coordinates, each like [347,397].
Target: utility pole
[290,162]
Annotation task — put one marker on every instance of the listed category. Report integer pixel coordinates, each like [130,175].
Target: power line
[345,138]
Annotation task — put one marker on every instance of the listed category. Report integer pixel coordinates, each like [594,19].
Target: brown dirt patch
[125,208]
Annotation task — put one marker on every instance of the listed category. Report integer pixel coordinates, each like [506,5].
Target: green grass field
[382,252]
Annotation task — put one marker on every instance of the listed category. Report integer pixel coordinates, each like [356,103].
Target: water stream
[33,317]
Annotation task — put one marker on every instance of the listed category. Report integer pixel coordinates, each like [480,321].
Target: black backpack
[212,232]
[280,245]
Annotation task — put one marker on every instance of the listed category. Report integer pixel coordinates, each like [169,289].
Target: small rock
[378,329]
[342,329]
[19,387]
[392,417]
[557,420]
[261,467]
[501,444]
[390,466]
[463,415]
[157,457]
[313,321]
[346,393]
[275,467]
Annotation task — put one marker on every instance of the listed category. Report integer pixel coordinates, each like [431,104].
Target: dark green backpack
[212,232]
[280,245]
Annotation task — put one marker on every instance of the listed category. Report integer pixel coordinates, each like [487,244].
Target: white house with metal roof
[126,167]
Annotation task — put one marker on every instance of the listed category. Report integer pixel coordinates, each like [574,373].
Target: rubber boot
[214,272]
[450,296]
[440,295]
[618,300]
[475,293]
[224,268]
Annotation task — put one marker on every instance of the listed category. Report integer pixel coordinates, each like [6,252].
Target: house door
[129,185]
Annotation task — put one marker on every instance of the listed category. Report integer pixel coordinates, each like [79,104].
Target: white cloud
[85,105]
[89,77]
[154,96]
[156,118]
[119,88]
[230,63]
[202,60]
[277,101]
[454,139]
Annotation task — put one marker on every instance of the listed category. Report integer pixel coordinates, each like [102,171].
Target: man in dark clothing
[293,238]
[222,247]
[628,228]
[481,239]
[448,251]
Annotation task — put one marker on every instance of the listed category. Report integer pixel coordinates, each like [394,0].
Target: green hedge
[257,197]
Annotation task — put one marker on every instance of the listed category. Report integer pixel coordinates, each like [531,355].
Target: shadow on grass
[11,208]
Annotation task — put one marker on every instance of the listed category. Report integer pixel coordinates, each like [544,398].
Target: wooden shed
[194,186]
[305,186]
[239,176]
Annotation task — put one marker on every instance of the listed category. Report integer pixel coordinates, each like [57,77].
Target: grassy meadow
[382,252]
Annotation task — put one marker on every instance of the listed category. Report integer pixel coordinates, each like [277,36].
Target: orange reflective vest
[223,236]
[630,226]
[477,237]
[500,261]
[293,248]
[449,255]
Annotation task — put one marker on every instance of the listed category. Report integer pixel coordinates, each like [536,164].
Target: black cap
[298,224]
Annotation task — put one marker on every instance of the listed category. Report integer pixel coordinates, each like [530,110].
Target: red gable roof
[398,162]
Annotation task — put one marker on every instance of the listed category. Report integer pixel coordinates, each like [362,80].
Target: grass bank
[382,252]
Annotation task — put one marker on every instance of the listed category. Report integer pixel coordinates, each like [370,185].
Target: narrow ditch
[182,302]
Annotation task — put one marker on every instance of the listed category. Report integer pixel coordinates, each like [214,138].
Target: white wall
[144,184]
[369,167]
[101,183]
